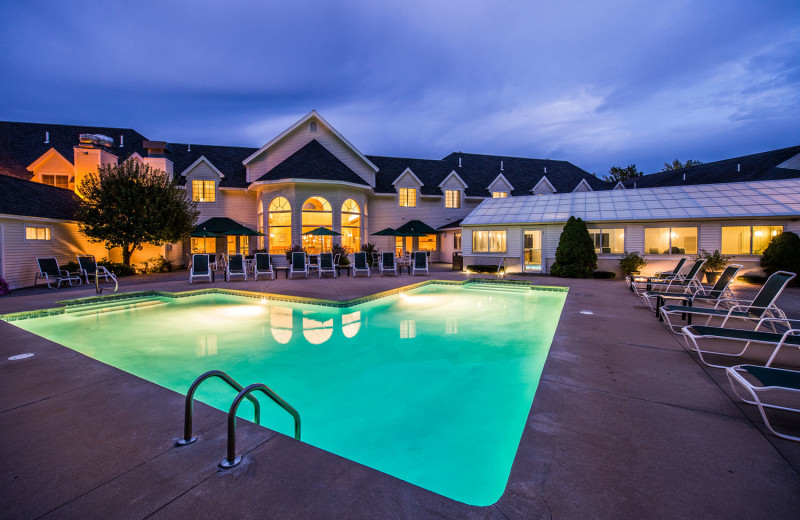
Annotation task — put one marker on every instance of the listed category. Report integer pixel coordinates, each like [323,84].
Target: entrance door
[532,252]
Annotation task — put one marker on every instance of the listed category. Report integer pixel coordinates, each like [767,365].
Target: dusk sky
[594,83]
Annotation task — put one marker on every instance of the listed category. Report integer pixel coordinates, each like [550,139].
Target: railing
[232,460]
[187,423]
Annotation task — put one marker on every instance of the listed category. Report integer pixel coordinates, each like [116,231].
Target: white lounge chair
[199,268]
[388,264]
[762,383]
[90,269]
[360,264]
[689,283]
[263,265]
[759,336]
[420,263]
[235,267]
[326,264]
[52,273]
[299,264]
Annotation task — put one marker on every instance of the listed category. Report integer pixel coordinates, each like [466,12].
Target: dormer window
[312,126]
[59,181]
[408,198]
[499,194]
[203,191]
[452,199]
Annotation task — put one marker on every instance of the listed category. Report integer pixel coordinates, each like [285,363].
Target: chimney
[46,137]
[92,152]
[157,156]
[155,148]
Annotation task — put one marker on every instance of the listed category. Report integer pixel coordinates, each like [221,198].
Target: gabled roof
[52,152]
[202,159]
[756,167]
[311,115]
[546,181]
[21,144]
[33,199]
[500,177]
[430,172]
[227,160]
[583,186]
[458,178]
[313,162]
[407,171]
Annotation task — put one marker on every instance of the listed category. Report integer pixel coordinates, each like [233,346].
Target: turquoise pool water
[432,386]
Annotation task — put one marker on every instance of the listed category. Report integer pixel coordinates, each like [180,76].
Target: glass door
[532,252]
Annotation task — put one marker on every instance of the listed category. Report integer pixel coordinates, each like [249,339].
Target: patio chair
[90,269]
[420,263]
[326,264]
[235,267]
[766,381]
[388,264]
[776,340]
[709,296]
[263,265]
[199,268]
[689,283]
[360,264]
[313,263]
[53,274]
[299,264]
[212,261]
[762,306]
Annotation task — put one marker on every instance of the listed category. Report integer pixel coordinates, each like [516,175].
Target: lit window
[666,241]
[203,191]
[37,233]
[204,245]
[452,198]
[747,240]
[408,197]
[608,240]
[427,243]
[351,225]
[59,181]
[499,194]
[279,223]
[457,240]
[316,213]
[489,241]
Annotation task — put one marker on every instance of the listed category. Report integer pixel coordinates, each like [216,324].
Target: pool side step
[88,310]
[497,287]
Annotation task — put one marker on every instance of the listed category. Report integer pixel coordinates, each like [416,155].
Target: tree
[616,174]
[130,204]
[677,165]
[782,254]
[575,256]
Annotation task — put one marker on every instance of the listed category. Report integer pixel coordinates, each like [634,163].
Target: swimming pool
[432,386]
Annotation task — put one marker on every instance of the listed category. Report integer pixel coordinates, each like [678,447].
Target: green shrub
[782,254]
[296,248]
[484,268]
[157,264]
[343,251]
[117,268]
[715,262]
[604,275]
[630,262]
[71,266]
[369,248]
[575,256]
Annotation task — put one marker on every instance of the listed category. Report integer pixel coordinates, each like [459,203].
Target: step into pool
[432,386]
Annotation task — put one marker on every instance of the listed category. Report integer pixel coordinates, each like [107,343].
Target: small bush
[296,248]
[604,275]
[157,264]
[484,268]
[782,254]
[71,266]
[4,286]
[117,268]
[369,248]
[630,262]
[338,249]
[715,262]
[575,255]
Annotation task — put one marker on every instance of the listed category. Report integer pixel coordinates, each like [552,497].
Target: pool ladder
[231,459]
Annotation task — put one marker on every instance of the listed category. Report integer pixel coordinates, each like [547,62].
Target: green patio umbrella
[322,232]
[388,232]
[203,233]
[417,227]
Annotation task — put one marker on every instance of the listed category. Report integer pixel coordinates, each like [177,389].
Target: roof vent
[46,137]
[634,185]
[501,165]
[189,147]
[122,141]
[459,162]
[312,126]
[545,169]
[684,175]
[738,167]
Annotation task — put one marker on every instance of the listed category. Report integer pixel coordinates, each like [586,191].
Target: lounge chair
[200,268]
[776,340]
[90,269]
[420,263]
[766,381]
[360,264]
[53,274]
[235,267]
[388,264]
[762,306]
[263,265]
[326,264]
[688,283]
[708,296]
[299,264]
[663,275]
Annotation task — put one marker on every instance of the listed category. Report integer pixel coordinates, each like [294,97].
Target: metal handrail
[232,460]
[187,423]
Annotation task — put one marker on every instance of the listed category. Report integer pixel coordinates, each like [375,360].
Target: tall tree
[677,165]
[616,174]
[131,204]
[575,255]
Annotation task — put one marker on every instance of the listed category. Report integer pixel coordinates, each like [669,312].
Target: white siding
[238,205]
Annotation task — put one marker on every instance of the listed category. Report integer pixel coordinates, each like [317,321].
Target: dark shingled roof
[33,199]
[755,167]
[22,143]
[313,161]
[478,171]
[227,159]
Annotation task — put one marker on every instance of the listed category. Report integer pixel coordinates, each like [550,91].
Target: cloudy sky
[595,83]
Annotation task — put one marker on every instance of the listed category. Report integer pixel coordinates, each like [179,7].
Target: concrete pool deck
[626,423]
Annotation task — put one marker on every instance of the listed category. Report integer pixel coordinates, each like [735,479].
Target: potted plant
[631,263]
[296,248]
[715,263]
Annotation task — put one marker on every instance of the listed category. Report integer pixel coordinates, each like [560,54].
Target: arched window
[280,225]
[317,213]
[351,225]
[260,224]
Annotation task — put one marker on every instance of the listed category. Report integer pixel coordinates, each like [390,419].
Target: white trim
[619,186]
[301,122]
[49,153]
[200,159]
[311,181]
[457,177]
[793,163]
[584,183]
[499,177]
[545,180]
[407,171]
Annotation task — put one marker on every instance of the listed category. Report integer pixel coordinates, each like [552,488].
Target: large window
[317,213]
[203,191]
[260,224]
[408,197]
[608,240]
[747,240]
[499,194]
[204,245]
[351,225]
[59,181]
[489,241]
[37,233]
[452,198]
[279,222]
[427,243]
[666,241]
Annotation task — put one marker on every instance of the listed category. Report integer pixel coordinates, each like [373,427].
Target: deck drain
[20,356]
[587,312]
